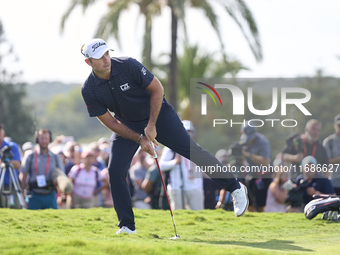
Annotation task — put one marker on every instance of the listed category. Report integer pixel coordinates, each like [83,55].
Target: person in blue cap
[141,116]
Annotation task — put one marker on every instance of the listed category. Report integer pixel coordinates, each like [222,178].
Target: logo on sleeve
[143,71]
[125,87]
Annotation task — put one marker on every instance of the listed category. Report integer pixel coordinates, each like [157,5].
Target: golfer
[126,88]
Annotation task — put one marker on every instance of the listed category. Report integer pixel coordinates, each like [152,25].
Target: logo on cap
[97,45]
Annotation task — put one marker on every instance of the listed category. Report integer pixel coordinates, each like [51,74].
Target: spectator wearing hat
[305,145]
[10,200]
[318,183]
[27,147]
[94,147]
[186,186]
[256,152]
[332,146]
[85,178]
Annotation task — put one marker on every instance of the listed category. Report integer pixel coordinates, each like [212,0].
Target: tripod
[8,192]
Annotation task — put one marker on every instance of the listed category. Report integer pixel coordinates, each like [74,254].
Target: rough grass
[92,231]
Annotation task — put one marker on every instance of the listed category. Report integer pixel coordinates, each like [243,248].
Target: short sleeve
[325,144]
[140,73]
[101,176]
[25,166]
[266,151]
[94,108]
[16,152]
[73,171]
[325,158]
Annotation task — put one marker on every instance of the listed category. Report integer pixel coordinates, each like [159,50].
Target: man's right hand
[146,146]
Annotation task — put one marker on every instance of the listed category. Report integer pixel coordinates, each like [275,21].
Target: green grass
[92,231]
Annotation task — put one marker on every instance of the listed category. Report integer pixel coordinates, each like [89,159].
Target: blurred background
[42,70]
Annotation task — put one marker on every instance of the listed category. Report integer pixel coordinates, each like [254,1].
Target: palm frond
[108,24]
[210,14]
[84,3]
[238,9]
[65,16]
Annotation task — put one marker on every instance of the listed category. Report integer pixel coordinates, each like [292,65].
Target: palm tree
[237,9]
[197,63]
[108,25]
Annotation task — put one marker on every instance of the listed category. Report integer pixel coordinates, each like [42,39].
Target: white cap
[95,48]
[27,146]
[189,126]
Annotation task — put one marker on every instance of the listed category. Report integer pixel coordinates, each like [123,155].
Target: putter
[167,198]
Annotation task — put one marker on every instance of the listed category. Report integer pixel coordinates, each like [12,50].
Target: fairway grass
[92,231]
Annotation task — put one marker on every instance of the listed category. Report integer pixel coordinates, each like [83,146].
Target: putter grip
[154,150]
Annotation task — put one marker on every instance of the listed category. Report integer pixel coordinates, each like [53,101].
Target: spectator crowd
[61,173]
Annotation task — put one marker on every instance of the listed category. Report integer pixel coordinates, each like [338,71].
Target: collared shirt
[124,93]
[28,164]
[320,183]
[332,147]
[316,150]
[260,147]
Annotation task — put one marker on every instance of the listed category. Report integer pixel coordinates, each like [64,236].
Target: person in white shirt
[185,188]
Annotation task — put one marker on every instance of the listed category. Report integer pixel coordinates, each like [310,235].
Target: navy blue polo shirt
[124,93]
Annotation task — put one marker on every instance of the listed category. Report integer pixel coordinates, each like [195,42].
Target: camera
[294,143]
[235,154]
[6,154]
[295,194]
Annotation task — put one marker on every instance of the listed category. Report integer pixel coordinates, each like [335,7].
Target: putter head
[175,237]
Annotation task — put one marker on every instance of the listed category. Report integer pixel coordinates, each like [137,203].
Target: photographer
[316,183]
[332,146]
[307,144]
[256,152]
[44,169]
[16,162]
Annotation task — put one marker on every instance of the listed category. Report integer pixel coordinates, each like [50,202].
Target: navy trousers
[171,133]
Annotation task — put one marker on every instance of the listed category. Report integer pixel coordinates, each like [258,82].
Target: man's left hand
[151,133]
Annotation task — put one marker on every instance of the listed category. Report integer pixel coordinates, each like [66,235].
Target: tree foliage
[16,115]
[236,9]
[67,115]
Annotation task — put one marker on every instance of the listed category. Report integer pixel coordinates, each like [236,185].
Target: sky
[298,37]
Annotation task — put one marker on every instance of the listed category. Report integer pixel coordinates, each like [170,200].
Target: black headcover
[321,205]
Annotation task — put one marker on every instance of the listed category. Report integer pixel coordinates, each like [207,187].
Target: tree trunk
[173,61]
[147,47]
